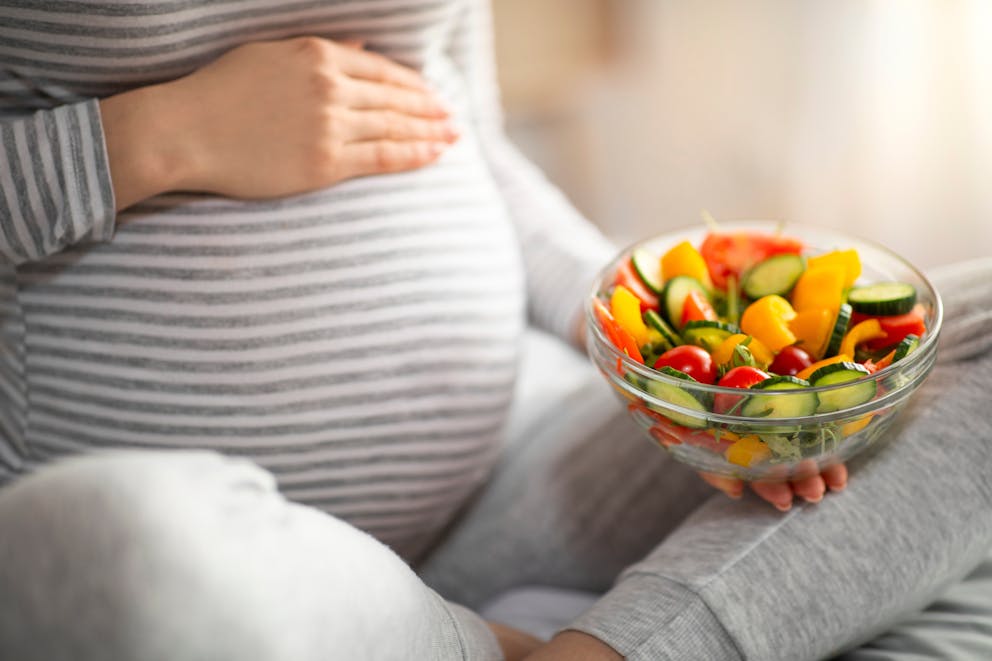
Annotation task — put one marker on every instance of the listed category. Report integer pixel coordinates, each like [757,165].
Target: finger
[728,485]
[811,488]
[835,477]
[383,156]
[389,125]
[357,44]
[364,95]
[375,67]
[778,494]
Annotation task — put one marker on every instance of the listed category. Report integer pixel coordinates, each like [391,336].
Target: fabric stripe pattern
[360,341]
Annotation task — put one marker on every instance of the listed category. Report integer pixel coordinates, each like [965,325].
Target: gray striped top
[359,341]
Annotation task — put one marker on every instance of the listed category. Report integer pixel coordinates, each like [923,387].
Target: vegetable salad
[756,312]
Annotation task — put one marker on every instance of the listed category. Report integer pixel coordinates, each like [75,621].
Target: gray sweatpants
[191,556]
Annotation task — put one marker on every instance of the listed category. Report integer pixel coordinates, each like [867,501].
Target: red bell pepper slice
[697,308]
[627,276]
[896,327]
[620,338]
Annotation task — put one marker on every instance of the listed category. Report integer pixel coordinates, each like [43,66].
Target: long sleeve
[55,187]
[562,251]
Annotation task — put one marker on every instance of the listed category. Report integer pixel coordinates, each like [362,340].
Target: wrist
[575,646]
[147,144]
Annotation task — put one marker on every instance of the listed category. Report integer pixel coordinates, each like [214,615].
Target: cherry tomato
[739,377]
[627,276]
[697,308]
[733,254]
[694,361]
[896,327]
[790,361]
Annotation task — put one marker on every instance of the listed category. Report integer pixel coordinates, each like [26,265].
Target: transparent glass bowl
[804,445]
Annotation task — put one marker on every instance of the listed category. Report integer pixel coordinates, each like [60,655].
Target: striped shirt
[358,341]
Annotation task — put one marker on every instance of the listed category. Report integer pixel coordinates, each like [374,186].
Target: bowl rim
[916,359]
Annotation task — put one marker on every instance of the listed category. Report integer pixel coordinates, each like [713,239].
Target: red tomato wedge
[627,276]
[620,338]
[896,327]
[739,377]
[697,308]
[733,254]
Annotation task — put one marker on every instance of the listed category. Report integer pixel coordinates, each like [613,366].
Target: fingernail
[736,495]
[451,133]
[783,507]
[437,148]
[813,500]
[443,108]
[838,487]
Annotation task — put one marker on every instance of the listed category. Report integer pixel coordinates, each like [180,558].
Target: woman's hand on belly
[272,119]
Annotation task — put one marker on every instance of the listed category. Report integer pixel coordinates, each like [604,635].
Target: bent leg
[738,578]
[159,556]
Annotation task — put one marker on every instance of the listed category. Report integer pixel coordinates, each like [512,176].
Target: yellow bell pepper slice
[626,310]
[767,319]
[812,329]
[684,259]
[820,288]
[853,427]
[808,372]
[724,353]
[653,336]
[747,451]
[869,329]
[847,260]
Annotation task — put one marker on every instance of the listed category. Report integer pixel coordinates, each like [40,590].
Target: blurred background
[868,116]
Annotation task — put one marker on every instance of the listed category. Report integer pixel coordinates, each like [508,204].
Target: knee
[111,504]
[88,545]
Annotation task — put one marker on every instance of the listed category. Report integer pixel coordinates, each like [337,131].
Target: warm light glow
[868,116]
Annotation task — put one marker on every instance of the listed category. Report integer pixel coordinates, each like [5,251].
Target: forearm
[143,130]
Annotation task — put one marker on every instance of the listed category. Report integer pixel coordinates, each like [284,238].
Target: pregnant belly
[360,342]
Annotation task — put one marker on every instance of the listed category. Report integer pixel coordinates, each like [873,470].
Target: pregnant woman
[244,227]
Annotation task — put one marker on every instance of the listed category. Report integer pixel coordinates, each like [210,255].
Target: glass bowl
[799,446]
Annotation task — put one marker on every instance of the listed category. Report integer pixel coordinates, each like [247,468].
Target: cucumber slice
[676,291]
[843,398]
[648,268]
[909,344]
[776,275]
[839,331]
[654,320]
[883,299]
[797,405]
[679,397]
[635,380]
[708,334]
